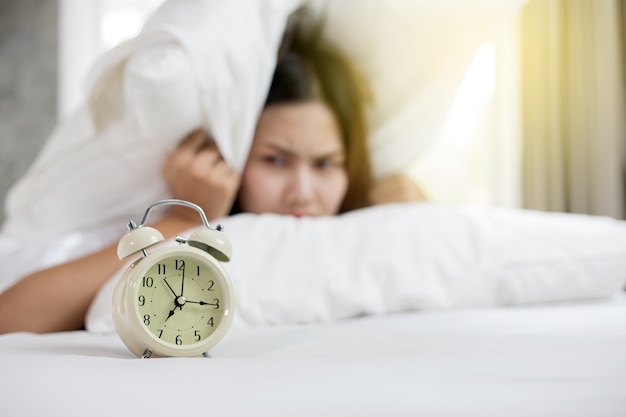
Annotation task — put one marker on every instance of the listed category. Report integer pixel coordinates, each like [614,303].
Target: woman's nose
[302,185]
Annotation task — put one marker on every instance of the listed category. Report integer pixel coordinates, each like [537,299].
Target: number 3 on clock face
[180,300]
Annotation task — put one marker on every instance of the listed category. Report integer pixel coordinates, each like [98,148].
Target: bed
[404,309]
[489,312]
[553,360]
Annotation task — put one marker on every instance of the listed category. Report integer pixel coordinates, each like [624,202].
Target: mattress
[558,359]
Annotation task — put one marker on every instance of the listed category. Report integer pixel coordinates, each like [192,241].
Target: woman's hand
[197,173]
[396,188]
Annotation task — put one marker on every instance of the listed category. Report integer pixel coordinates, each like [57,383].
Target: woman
[308,158]
[309,154]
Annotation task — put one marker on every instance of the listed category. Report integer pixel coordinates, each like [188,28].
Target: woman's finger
[193,141]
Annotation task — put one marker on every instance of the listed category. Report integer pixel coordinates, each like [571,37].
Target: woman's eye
[327,164]
[275,160]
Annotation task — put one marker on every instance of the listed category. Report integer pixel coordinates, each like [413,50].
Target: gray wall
[28,84]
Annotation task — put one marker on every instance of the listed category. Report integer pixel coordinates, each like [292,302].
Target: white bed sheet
[552,360]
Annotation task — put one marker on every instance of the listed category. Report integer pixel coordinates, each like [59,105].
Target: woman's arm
[395,189]
[197,172]
[57,299]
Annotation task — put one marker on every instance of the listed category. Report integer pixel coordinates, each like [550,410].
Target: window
[475,159]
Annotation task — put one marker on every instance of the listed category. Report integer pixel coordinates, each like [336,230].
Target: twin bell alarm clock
[174,300]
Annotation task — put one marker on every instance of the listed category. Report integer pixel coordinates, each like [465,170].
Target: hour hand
[179,302]
[171,313]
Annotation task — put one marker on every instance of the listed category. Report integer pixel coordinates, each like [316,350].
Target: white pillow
[414,54]
[415,256]
[197,63]
[206,63]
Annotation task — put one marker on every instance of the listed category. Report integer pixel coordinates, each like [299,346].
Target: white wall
[88,28]
[79,46]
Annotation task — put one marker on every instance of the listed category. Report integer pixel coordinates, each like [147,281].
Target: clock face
[180,300]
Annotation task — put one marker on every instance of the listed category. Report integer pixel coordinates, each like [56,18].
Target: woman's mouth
[300,214]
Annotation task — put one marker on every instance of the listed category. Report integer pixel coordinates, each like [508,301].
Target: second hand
[182,284]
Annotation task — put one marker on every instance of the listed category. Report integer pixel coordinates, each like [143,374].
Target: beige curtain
[573,106]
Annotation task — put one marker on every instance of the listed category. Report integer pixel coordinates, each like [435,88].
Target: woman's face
[296,163]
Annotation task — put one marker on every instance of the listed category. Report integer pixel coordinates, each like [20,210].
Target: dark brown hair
[310,68]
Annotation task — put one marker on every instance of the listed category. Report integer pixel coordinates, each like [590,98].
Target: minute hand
[168,286]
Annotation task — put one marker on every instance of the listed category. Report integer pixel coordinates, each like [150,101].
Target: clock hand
[216,303]
[179,302]
[168,286]
[171,313]
[182,284]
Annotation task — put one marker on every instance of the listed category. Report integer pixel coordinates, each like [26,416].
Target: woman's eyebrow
[338,155]
[287,152]
[281,149]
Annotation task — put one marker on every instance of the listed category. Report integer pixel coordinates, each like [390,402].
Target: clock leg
[146,354]
[207,355]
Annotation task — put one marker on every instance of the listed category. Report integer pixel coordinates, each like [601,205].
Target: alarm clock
[175,300]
